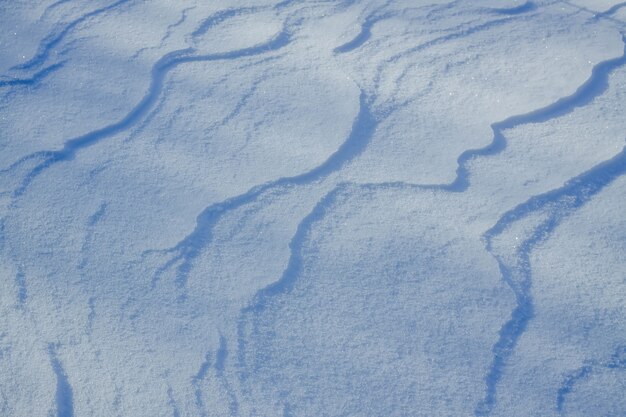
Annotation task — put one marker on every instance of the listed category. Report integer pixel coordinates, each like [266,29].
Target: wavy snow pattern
[559,204]
[64,392]
[34,79]
[188,249]
[522,8]
[53,40]
[197,380]
[556,204]
[617,361]
[612,10]
[160,70]
[290,275]
[518,277]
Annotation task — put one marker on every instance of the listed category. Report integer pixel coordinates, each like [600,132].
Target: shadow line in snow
[529,6]
[34,79]
[64,394]
[595,85]
[197,380]
[188,249]
[558,204]
[159,72]
[289,276]
[51,41]
[617,361]
[611,11]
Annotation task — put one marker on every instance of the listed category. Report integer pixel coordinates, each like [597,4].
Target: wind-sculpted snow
[159,73]
[523,8]
[47,45]
[518,276]
[616,363]
[189,248]
[594,86]
[311,208]
[32,80]
[64,401]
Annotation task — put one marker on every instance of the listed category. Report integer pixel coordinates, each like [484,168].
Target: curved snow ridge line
[595,85]
[92,221]
[364,35]
[220,16]
[197,379]
[220,363]
[190,247]
[53,6]
[572,195]
[290,275]
[159,72]
[51,41]
[559,203]
[64,393]
[38,76]
[91,316]
[529,6]
[366,27]
[446,38]
[171,401]
[366,30]
[595,15]
[296,259]
[285,3]
[611,11]
[22,292]
[617,361]
[168,32]
[577,189]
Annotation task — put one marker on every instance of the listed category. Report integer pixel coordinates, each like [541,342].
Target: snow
[312,208]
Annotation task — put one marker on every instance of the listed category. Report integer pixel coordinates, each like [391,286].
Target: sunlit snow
[312,208]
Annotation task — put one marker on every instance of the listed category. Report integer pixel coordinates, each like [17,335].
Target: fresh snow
[312,208]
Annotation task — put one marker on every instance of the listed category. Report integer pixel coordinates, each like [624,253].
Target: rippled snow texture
[312,208]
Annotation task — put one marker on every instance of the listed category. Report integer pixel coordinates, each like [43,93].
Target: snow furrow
[34,79]
[366,30]
[160,70]
[188,249]
[64,393]
[22,292]
[522,8]
[558,203]
[617,361]
[168,32]
[52,7]
[289,276]
[219,17]
[220,362]
[196,381]
[595,85]
[87,241]
[172,402]
[53,40]
[611,11]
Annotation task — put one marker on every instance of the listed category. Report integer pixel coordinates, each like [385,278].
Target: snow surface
[312,208]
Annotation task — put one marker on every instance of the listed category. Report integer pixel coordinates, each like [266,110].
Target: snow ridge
[190,247]
[160,71]
[64,392]
[53,40]
[616,361]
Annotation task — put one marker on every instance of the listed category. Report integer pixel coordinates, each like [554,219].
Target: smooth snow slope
[312,208]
